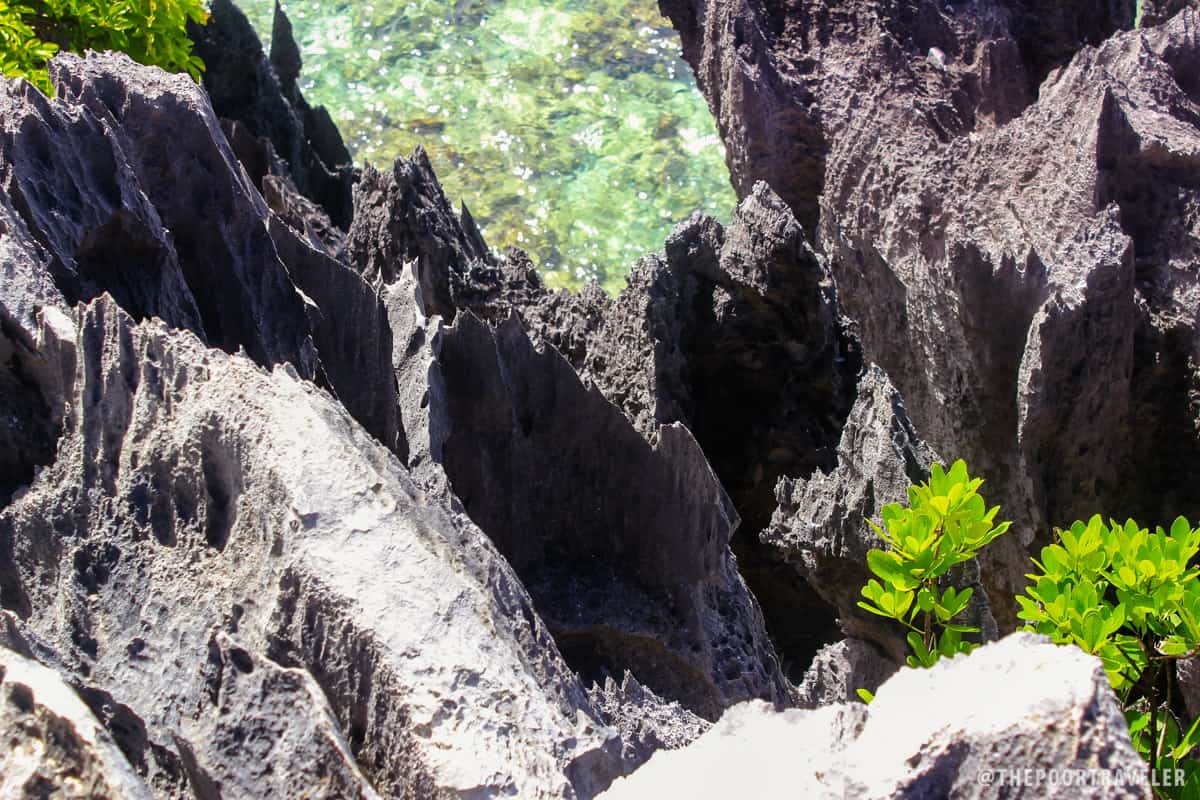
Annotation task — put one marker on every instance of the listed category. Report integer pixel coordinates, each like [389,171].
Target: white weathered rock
[967,728]
[51,745]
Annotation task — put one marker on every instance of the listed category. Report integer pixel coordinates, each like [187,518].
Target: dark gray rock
[624,545]
[1188,674]
[735,333]
[90,184]
[262,95]
[218,229]
[33,396]
[632,519]
[72,185]
[839,670]
[404,216]
[820,524]
[351,331]
[1009,219]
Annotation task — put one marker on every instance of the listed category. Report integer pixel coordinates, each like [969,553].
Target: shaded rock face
[89,183]
[260,94]
[819,526]
[621,535]
[1021,703]
[1010,217]
[735,333]
[624,545]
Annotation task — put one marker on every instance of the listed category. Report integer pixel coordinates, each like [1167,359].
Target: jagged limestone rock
[195,495]
[1000,188]
[93,178]
[646,585]
[840,669]
[647,723]
[262,95]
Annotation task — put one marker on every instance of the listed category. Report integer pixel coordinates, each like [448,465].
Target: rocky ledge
[305,489]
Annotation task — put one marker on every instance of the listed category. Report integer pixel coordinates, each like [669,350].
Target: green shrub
[150,31]
[945,524]
[1124,594]
[1131,598]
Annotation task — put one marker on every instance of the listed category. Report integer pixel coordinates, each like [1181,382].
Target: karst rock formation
[306,491]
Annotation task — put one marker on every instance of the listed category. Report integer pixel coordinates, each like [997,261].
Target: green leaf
[866,696]
[1189,740]
[921,654]
[1137,720]
[954,603]
[1173,646]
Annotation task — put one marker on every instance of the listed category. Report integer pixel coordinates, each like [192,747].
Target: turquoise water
[571,129]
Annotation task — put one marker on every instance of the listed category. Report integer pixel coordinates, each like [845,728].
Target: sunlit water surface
[570,128]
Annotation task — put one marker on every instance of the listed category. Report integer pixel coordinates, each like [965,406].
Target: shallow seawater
[570,128]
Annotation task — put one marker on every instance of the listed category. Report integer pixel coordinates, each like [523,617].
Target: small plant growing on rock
[946,523]
[150,31]
[1132,598]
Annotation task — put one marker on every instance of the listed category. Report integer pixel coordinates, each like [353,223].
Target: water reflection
[571,129]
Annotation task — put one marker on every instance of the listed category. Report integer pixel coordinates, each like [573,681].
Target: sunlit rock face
[292,496]
[989,725]
[571,129]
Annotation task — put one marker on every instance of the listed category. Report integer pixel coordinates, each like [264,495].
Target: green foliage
[1117,591]
[1132,598]
[945,524]
[150,31]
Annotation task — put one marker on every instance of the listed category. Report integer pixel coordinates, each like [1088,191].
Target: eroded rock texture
[92,179]
[216,547]
[622,536]
[1021,701]
[259,95]
[240,580]
[294,494]
[1010,215]
[54,747]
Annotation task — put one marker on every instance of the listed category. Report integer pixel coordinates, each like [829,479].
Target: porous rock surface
[1021,705]
[53,746]
[215,544]
[304,488]
[621,538]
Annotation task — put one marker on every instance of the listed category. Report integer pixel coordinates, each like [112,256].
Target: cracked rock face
[1009,211]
